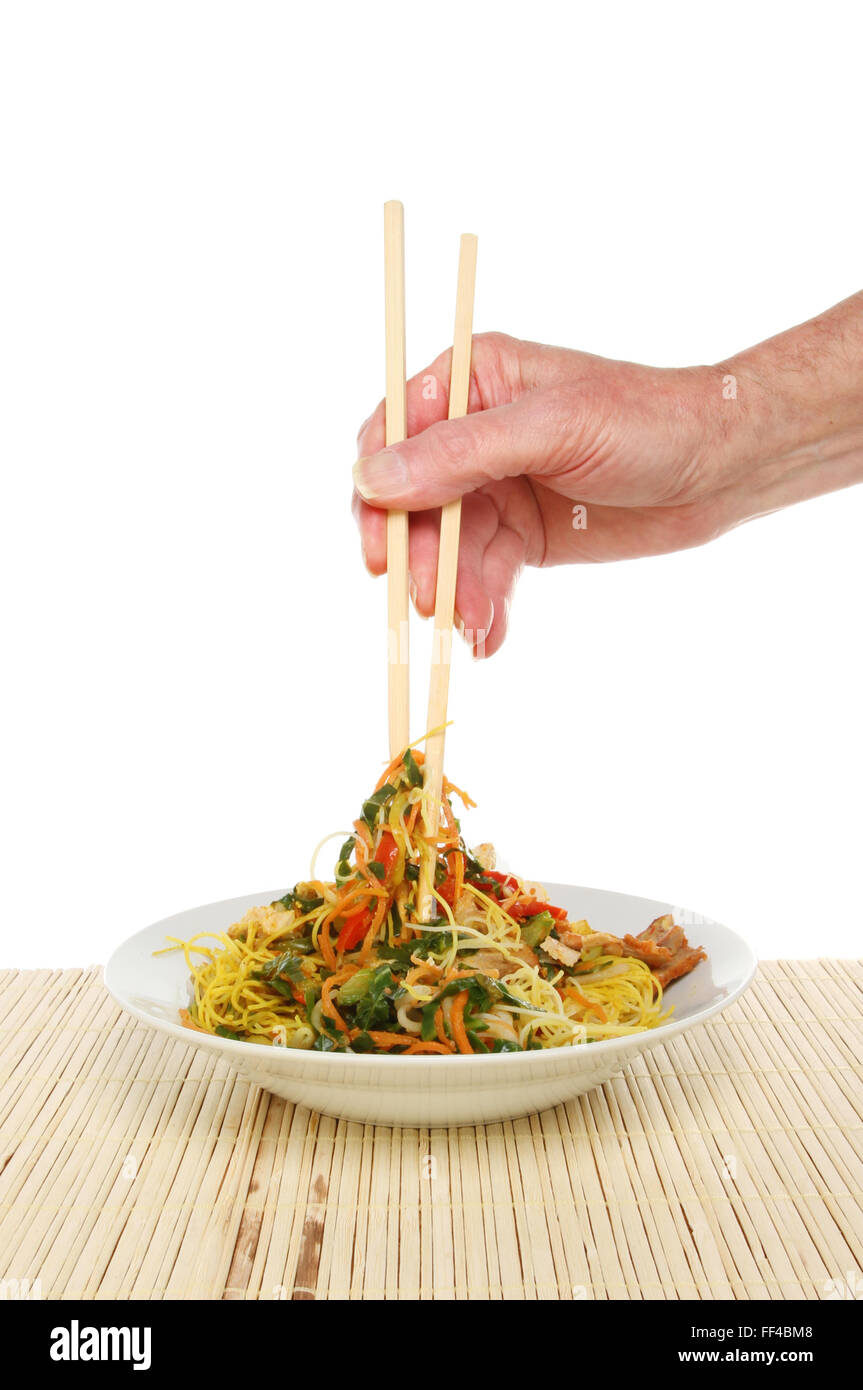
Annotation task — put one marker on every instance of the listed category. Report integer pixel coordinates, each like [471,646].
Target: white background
[192,331]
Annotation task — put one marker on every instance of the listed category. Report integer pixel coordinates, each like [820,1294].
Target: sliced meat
[663,933]
[611,945]
[685,960]
[494,963]
[560,951]
[664,948]
[648,951]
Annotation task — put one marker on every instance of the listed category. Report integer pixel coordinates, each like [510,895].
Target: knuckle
[448,444]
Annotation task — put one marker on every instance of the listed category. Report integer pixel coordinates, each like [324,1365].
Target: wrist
[792,407]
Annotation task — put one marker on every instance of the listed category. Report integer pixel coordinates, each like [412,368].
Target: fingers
[499,366]
[426,400]
[474,610]
[455,457]
[503,562]
[491,557]
[423,553]
[372,523]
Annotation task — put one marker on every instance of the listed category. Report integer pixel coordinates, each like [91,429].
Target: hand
[566,457]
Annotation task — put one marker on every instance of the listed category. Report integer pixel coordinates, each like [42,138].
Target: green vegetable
[429,944]
[428,1029]
[343,867]
[282,987]
[362,1043]
[377,869]
[412,871]
[372,806]
[354,988]
[415,777]
[370,992]
[223,1032]
[286,965]
[294,900]
[504,1045]
[536,929]
[481,991]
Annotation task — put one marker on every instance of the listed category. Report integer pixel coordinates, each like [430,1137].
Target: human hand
[566,457]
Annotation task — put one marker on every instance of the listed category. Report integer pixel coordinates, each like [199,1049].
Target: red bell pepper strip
[447,890]
[527,907]
[386,853]
[530,907]
[354,929]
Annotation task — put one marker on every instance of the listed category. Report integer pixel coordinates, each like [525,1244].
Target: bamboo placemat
[725,1165]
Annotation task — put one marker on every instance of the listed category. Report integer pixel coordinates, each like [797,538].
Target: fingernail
[458,623]
[413,591]
[380,476]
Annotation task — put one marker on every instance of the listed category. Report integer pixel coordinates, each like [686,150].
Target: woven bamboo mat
[725,1165]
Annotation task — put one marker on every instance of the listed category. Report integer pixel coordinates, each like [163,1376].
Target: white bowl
[432,1090]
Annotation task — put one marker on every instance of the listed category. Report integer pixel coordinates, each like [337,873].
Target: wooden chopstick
[398,681]
[447,573]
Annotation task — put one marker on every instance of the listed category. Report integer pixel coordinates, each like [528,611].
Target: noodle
[346,965]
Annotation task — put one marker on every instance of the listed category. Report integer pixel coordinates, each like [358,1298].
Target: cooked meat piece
[494,962]
[662,932]
[485,856]
[611,945]
[648,951]
[664,948]
[559,950]
[686,959]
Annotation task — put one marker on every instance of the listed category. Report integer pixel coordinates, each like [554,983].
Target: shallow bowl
[432,1090]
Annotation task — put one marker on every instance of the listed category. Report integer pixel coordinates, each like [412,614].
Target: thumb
[455,457]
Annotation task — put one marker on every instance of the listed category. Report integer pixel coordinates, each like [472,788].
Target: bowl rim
[237,1049]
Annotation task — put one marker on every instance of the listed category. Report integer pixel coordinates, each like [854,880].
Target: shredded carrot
[440,1027]
[371,934]
[420,970]
[188,1022]
[579,998]
[327,1005]
[423,1046]
[456,1022]
[449,787]
[386,1039]
[326,945]
[397,762]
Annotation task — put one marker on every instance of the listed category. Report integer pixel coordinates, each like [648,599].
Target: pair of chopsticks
[397,527]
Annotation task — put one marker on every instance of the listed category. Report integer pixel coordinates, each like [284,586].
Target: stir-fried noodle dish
[348,965]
